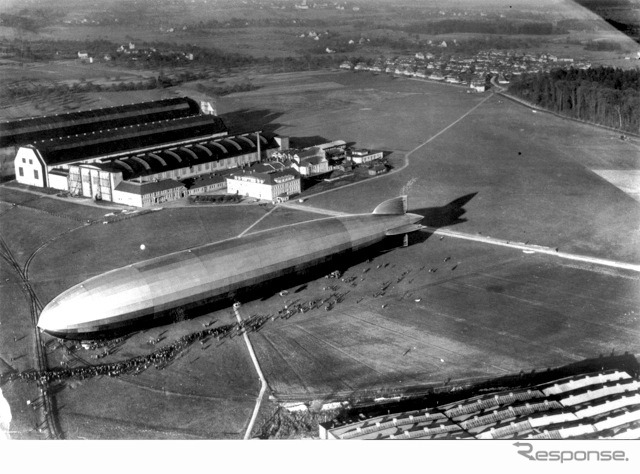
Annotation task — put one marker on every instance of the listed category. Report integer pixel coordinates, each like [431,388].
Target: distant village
[470,70]
[130,52]
[473,71]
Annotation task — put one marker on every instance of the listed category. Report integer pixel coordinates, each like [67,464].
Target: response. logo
[568,455]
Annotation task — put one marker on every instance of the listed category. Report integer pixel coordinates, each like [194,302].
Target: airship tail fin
[392,207]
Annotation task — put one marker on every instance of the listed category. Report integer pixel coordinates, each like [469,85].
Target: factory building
[310,162]
[112,154]
[34,162]
[315,160]
[275,186]
[101,179]
[135,194]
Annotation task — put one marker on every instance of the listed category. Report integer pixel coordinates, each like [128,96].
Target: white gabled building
[30,167]
[275,186]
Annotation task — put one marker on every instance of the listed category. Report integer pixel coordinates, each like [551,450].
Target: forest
[483,27]
[603,95]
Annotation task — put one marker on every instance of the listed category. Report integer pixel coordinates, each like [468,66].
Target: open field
[498,312]
[68,73]
[207,393]
[532,171]
[485,311]
[69,70]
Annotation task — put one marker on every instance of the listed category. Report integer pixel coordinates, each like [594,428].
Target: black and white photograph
[322,220]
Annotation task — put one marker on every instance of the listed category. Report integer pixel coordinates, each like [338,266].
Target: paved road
[263,381]
[256,222]
[535,248]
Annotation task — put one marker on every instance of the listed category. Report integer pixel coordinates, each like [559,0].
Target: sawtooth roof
[76,148]
[169,159]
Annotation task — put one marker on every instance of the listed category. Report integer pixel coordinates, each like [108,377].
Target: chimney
[258,142]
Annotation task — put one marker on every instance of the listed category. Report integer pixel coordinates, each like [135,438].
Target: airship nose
[52,316]
[46,321]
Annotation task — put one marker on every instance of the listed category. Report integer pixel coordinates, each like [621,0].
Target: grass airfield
[484,312]
[498,312]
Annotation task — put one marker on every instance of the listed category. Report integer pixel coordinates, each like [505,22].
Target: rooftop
[121,140]
[267,167]
[269,178]
[147,188]
[30,130]
[206,180]
[312,160]
[612,410]
[333,144]
[193,154]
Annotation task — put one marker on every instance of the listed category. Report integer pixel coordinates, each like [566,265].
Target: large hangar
[17,133]
[30,130]
[34,162]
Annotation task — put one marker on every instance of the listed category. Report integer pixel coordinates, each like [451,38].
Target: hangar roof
[30,130]
[168,159]
[123,139]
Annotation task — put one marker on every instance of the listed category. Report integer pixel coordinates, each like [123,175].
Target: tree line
[603,95]
[603,46]
[30,20]
[27,89]
[504,27]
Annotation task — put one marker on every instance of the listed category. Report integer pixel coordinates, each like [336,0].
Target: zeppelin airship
[166,288]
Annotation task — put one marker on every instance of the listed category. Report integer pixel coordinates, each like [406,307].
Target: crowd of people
[163,356]
[159,358]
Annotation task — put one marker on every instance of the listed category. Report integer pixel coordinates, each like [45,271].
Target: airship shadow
[249,120]
[443,216]
[305,142]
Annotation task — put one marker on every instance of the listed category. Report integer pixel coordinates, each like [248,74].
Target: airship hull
[190,282]
[202,303]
